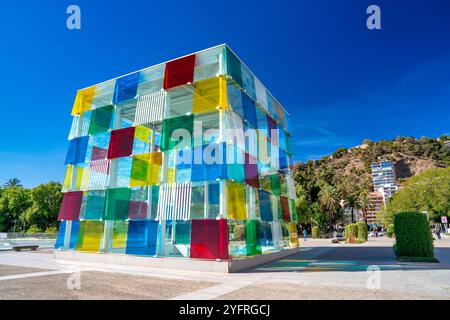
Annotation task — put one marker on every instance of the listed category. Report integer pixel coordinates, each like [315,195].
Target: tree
[428,191]
[351,202]
[328,197]
[364,203]
[12,183]
[13,203]
[46,200]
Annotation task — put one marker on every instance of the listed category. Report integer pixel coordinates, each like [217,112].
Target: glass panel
[237,246]
[119,236]
[209,239]
[77,150]
[126,88]
[98,146]
[138,203]
[141,239]
[234,68]
[83,100]
[170,126]
[251,171]
[146,169]
[71,205]
[101,120]
[236,201]
[249,111]
[209,95]
[252,242]
[90,235]
[121,144]
[265,206]
[151,80]
[179,72]
[117,204]
[95,205]
[285,209]
[265,236]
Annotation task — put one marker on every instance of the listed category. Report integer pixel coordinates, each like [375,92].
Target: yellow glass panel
[90,236]
[210,95]
[236,201]
[79,178]
[83,100]
[145,170]
[119,239]
[68,179]
[293,235]
[170,175]
[142,133]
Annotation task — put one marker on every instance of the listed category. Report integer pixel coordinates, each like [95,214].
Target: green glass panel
[101,120]
[252,242]
[94,205]
[117,204]
[234,68]
[183,232]
[275,184]
[294,215]
[171,125]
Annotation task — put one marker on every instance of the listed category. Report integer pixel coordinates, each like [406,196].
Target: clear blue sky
[341,82]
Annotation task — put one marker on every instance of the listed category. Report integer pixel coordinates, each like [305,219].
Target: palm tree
[12,183]
[364,203]
[351,202]
[328,197]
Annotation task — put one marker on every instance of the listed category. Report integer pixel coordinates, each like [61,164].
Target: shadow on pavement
[346,259]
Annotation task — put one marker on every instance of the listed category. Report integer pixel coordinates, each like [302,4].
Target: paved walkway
[321,270]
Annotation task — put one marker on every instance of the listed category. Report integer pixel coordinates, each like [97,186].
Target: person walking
[304,234]
[438,231]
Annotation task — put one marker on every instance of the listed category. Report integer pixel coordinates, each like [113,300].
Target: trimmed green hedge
[413,235]
[363,234]
[351,232]
[315,232]
[390,230]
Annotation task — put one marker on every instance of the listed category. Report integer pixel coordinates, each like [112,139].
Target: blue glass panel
[77,150]
[265,234]
[262,121]
[283,160]
[61,235]
[74,234]
[213,193]
[265,208]
[142,237]
[126,88]
[249,110]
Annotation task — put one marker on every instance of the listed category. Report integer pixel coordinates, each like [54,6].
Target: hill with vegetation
[344,177]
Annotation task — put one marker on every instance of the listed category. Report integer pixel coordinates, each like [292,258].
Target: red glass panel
[209,239]
[70,207]
[99,153]
[251,171]
[179,72]
[285,208]
[121,143]
[138,210]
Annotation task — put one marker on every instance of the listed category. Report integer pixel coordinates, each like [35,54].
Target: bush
[315,232]
[363,234]
[390,230]
[413,235]
[34,229]
[351,232]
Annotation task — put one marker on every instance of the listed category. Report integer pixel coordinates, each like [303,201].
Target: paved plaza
[321,270]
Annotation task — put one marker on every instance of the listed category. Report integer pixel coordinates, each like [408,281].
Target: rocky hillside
[349,170]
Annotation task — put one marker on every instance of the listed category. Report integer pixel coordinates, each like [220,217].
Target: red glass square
[209,239]
[137,210]
[285,209]
[121,143]
[71,205]
[179,72]
[251,171]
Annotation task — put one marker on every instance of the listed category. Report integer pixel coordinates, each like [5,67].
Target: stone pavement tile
[288,291]
[7,270]
[96,285]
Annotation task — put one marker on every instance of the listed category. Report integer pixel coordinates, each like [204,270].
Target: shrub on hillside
[363,234]
[413,235]
[315,232]
[390,230]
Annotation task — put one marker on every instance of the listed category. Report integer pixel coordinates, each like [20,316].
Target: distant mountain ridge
[349,169]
